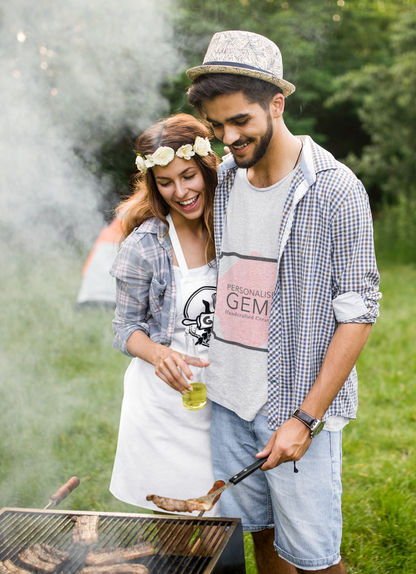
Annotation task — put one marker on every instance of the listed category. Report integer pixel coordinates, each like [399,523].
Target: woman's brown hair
[146,201]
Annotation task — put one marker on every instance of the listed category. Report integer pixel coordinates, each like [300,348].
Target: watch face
[318,428]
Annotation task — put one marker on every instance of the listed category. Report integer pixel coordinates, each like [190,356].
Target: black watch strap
[314,425]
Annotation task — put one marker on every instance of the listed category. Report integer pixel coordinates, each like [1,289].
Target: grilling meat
[54,553]
[106,556]
[175,505]
[116,569]
[13,569]
[43,557]
[31,558]
[3,569]
[86,530]
[50,554]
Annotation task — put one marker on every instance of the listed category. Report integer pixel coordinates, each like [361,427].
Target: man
[297,295]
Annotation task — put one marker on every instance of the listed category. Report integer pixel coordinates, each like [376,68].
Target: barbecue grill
[183,545]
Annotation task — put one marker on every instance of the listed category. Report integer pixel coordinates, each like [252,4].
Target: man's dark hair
[209,86]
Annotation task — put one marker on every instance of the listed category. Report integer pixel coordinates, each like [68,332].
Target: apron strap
[177,248]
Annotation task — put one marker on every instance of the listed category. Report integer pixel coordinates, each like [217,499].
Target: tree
[320,40]
[384,96]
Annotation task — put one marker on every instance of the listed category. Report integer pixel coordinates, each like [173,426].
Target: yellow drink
[197,399]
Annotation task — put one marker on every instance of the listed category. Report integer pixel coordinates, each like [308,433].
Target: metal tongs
[209,498]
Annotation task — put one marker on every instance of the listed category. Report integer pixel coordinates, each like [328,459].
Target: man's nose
[231,135]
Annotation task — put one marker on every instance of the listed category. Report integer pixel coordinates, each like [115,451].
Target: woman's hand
[168,364]
[166,361]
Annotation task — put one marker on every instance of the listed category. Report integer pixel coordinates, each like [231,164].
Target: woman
[166,281]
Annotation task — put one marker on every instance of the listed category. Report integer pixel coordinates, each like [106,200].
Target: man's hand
[292,438]
[289,442]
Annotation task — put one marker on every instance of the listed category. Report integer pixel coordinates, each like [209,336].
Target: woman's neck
[192,235]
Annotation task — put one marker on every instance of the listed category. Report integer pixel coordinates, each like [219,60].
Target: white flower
[185,151]
[162,156]
[149,161]
[202,146]
[141,164]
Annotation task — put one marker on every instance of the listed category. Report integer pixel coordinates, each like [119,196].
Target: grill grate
[183,545]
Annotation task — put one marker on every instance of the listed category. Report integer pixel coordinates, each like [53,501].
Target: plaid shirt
[327,274]
[146,291]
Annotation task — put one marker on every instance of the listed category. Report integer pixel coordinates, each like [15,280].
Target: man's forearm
[291,440]
[342,354]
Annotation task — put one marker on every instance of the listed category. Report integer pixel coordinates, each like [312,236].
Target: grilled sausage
[176,505]
[116,556]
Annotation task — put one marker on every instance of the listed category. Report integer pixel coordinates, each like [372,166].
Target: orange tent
[98,287]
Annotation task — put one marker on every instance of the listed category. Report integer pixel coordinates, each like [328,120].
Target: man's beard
[259,150]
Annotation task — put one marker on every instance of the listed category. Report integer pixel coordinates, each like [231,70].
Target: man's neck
[280,159]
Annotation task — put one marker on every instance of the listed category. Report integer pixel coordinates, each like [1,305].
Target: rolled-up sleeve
[133,275]
[355,277]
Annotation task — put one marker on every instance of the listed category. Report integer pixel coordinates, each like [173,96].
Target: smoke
[72,73]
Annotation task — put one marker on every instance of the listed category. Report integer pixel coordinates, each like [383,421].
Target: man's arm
[292,438]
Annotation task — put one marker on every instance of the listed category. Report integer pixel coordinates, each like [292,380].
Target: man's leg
[307,504]
[268,560]
[337,569]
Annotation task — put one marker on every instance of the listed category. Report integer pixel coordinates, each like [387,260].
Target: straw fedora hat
[245,54]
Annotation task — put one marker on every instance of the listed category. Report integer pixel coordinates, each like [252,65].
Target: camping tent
[98,287]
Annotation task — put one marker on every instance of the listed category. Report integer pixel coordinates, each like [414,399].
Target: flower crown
[164,155]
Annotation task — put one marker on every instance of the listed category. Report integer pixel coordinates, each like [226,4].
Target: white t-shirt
[237,376]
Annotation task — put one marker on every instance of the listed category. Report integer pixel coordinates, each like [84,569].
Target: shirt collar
[313,160]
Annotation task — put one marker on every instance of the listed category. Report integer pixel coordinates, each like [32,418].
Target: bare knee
[268,560]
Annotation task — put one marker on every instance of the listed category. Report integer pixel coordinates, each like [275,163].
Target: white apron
[163,448]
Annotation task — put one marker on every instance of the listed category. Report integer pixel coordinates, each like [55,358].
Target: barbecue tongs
[209,498]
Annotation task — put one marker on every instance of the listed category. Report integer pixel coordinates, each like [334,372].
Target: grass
[61,388]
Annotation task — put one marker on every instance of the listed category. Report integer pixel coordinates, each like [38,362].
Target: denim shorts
[303,507]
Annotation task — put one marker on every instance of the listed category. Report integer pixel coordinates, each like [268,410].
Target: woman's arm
[134,269]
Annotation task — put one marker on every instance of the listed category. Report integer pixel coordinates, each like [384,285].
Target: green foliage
[354,65]
[395,231]
[319,40]
[379,461]
[384,96]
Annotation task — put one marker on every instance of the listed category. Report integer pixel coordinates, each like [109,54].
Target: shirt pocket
[156,295]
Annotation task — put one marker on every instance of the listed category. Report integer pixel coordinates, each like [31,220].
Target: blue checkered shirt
[327,274]
[146,291]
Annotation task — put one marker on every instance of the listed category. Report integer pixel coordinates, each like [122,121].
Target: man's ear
[277,105]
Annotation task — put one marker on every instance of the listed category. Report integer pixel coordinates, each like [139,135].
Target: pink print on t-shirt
[244,295]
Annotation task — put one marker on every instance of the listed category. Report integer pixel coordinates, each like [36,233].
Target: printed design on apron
[204,297]
[202,322]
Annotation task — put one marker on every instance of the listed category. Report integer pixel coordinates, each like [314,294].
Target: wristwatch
[314,425]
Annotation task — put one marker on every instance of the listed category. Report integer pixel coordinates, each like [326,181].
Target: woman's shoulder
[146,248]
[152,226]
[149,232]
